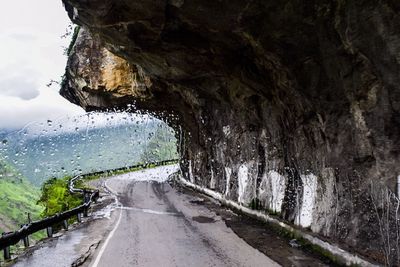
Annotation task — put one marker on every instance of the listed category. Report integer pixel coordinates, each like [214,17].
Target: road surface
[142,221]
[158,226]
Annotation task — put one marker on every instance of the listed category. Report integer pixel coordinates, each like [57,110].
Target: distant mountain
[4,133]
[50,152]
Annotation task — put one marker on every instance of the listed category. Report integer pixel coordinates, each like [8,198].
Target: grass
[18,198]
[327,256]
[56,197]
[256,204]
[69,51]
[73,40]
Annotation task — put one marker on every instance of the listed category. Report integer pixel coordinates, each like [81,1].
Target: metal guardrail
[140,165]
[12,238]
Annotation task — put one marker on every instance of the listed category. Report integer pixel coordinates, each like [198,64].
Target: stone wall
[288,106]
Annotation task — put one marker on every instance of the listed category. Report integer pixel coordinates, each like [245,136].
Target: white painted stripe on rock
[278,183]
[243,177]
[305,215]
[228,173]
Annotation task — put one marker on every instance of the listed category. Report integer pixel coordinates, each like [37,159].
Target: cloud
[23,85]
[31,55]
[22,37]
[48,105]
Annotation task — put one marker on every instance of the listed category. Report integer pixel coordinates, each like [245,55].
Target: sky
[31,55]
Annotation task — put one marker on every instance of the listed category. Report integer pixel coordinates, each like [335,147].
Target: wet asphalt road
[156,225]
[146,222]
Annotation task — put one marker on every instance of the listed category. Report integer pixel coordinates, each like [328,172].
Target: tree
[161,146]
[57,198]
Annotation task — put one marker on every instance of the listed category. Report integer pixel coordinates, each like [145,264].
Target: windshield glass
[45,140]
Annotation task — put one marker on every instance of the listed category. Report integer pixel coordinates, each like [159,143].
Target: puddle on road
[258,235]
[198,201]
[150,211]
[203,219]
[105,212]
[58,252]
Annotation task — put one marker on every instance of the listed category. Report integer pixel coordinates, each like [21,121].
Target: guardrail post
[26,241]
[7,254]
[86,199]
[86,196]
[49,231]
[65,224]
[26,238]
[79,217]
[85,212]
[95,198]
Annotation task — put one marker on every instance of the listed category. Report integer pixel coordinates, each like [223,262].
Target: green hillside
[18,197]
[160,146]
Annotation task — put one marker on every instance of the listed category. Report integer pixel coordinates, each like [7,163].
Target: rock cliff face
[290,105]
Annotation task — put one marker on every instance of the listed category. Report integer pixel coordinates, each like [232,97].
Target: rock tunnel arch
[300,95]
